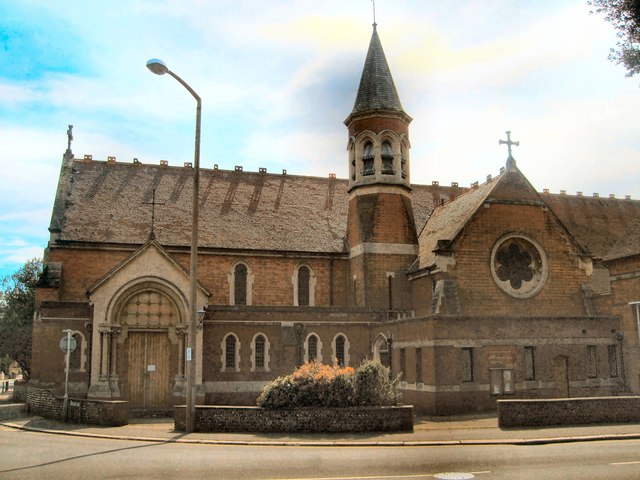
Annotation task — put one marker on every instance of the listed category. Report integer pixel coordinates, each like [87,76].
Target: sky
[277,79]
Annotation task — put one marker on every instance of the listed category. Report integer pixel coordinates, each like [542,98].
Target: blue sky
[277,79]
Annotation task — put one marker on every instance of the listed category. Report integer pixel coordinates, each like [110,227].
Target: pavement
[427,431]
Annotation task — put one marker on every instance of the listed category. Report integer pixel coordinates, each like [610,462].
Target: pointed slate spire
[377,90]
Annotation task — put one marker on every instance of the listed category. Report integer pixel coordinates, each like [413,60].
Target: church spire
[377,90]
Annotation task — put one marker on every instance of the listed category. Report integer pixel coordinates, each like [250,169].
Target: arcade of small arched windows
[362,156]
[260,351]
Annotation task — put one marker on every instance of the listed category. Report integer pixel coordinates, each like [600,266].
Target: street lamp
[160,68]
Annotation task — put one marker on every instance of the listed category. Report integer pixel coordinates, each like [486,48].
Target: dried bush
[317,385]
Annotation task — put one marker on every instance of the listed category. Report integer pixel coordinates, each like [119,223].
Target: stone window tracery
[518,266]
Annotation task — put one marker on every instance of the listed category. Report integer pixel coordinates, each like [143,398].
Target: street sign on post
[68,344]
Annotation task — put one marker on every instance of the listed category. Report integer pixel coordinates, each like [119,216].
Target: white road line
[626,463]
[378,477]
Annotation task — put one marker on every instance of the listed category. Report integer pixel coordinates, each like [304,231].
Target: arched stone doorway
[152,336]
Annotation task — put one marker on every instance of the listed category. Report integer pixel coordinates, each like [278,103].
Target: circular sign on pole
[69,345]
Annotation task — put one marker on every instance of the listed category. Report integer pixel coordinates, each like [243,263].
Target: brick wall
[479,294]
[311,420]
[112,413]
[569,411]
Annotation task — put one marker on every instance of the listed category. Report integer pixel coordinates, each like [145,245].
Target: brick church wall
[499,343]
[479,295]
[625,288]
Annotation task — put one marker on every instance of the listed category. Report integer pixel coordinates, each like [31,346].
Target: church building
[469,293]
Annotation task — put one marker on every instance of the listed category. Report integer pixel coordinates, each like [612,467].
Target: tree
[17,305]
[624,15]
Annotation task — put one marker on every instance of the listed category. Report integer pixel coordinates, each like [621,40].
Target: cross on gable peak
[509,143]
[153,203]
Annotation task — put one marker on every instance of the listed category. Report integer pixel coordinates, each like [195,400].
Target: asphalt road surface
[26,455]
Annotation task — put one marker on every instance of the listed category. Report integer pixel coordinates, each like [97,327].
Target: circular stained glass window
[518,265]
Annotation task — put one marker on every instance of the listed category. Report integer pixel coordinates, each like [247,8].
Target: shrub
[317,385]
[373,385]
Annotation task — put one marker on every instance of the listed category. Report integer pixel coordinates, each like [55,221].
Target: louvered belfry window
[367,159]
[387,159]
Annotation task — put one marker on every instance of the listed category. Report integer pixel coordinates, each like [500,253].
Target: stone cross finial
[153,204]
[69,138]
[508,142]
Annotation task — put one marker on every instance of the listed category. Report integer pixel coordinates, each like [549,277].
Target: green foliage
[624,15]
[17,306]
[317,385]
[373,385]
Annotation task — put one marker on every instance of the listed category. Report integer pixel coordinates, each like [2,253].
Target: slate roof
[448,219]
[597,223]
[108,202]
[603,227]
[377,90]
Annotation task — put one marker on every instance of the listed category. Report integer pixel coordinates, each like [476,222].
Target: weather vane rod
[374,11]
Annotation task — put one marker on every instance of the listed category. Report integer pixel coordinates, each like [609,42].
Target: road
[26,455]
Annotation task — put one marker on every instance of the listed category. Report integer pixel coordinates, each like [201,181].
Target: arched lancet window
[78,358]
[313,348]
[259,345]
[240,284]
[367,159]
[387,158]
[230,358]
[230,352]
[340,351]
[304,277]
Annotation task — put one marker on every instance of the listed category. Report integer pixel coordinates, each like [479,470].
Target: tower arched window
[368,156]
[387,158]
[403,161]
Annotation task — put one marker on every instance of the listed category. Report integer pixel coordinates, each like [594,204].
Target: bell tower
[381,233]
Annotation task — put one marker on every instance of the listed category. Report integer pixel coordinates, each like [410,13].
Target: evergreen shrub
[317,385]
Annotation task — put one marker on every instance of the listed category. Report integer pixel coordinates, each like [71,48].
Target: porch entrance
[148,376]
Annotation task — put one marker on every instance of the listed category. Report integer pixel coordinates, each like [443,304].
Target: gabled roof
[597,223]
[628,244]
[449,219]
[377,90]
[109,203]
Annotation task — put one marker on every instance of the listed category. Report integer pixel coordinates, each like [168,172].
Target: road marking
[378,477]
[626,463]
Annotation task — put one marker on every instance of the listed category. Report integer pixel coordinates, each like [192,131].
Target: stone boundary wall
[112,413]
[568,411]
[20,392]
[302,420]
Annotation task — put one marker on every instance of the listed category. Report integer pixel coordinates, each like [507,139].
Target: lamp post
[160,68]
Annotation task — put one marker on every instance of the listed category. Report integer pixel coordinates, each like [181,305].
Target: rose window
[518,266]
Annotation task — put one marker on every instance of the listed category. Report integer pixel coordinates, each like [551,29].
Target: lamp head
[157,66]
